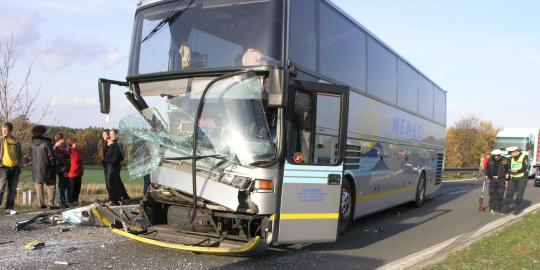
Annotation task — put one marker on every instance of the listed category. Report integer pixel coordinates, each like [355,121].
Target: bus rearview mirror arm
[104,86]
[275,88]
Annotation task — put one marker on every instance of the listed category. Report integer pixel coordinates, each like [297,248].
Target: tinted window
[440,106]
[425,97]
[342,49]
[302,37]
[208,34]
[314,135]
[381,72]
[407,86]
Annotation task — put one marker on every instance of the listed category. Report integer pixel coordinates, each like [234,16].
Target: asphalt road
[454,210]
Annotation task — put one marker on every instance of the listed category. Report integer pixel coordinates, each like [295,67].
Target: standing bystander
[76,170]
[114,157]
[10,166]
[61,155]
[43,166]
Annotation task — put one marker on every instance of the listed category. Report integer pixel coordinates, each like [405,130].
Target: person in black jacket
[113,158]
[43,165]
[105,137]
[496,171]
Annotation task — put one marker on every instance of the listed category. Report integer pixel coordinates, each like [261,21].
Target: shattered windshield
[235,125]
[202,34]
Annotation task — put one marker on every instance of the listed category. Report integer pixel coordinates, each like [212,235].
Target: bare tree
[17,101]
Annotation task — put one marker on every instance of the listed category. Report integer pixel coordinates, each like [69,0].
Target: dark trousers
[65,190]
[9,179]
[515,186]
[496,193]
[106,172]
[117,189]
[76,187]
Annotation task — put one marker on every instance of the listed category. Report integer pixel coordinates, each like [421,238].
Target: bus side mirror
[104,86]
[104,95]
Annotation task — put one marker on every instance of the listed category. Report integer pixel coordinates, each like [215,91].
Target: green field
[93,174]
[516,247]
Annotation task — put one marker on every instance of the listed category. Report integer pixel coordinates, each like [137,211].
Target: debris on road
[6,242]
[65,229]
[52,215]
[36,244]
[61,262]
[70,249]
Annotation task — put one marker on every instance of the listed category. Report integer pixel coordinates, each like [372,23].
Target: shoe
[10,212]
[42,206]
[52,207]
[126,201]
[492,212]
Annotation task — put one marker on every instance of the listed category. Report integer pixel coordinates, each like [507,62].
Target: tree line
[467,140]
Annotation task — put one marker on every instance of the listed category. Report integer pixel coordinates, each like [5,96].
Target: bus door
[313,170]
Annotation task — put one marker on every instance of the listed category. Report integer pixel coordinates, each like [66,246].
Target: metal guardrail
[461,169]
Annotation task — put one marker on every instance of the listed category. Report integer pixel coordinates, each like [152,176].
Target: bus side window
[301,132]
[327,129]
[315,135]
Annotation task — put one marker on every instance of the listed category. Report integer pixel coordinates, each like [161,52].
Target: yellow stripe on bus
[302,216]
[382,194]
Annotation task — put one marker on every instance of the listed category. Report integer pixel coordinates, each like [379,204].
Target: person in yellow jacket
[10,166]
[517,179]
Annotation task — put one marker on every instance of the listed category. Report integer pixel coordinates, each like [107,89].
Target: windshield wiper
[171,18]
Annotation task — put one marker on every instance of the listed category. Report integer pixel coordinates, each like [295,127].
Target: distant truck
[524,138]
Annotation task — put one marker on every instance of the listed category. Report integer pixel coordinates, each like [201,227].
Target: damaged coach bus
[276,122]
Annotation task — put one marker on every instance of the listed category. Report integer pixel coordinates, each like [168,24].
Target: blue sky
[486,54]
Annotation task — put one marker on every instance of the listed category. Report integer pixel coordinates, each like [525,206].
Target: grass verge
[516,247]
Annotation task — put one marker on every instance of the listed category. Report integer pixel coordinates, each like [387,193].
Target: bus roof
[143,3]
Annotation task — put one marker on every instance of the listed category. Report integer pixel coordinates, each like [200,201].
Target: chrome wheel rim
[346,204]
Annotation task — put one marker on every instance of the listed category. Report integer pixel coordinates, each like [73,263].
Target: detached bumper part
[252,247]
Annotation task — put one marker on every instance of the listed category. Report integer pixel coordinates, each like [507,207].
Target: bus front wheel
[345,207]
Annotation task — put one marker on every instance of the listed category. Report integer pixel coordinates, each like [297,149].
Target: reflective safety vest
[516,165]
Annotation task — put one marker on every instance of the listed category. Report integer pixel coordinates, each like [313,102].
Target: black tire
[346,207]
[420,192]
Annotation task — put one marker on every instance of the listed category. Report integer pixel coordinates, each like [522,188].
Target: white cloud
[113,59]
[74,101]
[60,53]
[22,26]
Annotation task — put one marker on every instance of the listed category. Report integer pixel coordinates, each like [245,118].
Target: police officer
[496,171]
[517,178]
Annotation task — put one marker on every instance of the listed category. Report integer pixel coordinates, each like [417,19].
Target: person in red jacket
[76,170]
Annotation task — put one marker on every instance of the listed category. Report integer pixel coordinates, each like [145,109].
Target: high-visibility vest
[516,165]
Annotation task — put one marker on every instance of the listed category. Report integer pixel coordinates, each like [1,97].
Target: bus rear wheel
[420,191]
[345,207]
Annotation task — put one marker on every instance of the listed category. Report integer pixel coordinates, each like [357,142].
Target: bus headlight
[241,182]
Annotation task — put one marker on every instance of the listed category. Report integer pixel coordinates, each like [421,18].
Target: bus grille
[439,169]
[352,157]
